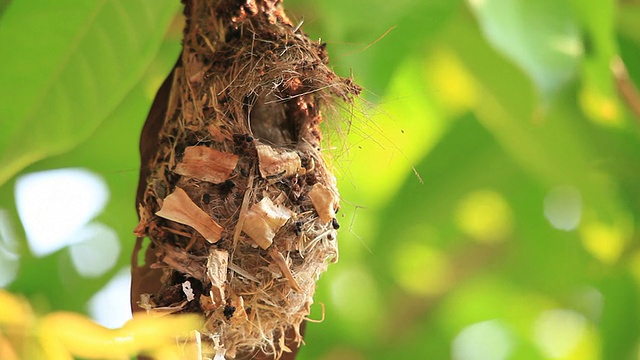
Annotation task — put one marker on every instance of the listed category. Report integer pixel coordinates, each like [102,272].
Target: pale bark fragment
[277,163]
[217,265]
[263,220]
[324,201]
[206,164]
[180,208]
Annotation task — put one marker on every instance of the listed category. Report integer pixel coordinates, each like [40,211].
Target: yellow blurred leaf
[14,311]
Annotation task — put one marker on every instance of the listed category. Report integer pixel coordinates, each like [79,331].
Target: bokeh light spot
[603,241]
[421,269]
[485,216]
[600,108]
[355,296]
[558,332]
[455,85]
[563,207]
[588,301]
[110,306]
[95,250]
[487,340]
[54,204]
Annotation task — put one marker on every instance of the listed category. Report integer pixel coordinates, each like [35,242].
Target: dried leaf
[206,164]
[180,208]
[263,221]
[324,201]
[217,265]
[277,163]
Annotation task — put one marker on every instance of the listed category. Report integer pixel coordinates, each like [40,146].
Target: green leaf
[542,37]
[620,317]
[112,152]
[598,96]
[553,146]
[70,64]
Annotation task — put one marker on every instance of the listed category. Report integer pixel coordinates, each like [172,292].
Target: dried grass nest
[239,204]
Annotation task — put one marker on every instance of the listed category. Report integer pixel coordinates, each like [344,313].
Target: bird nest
[239,203]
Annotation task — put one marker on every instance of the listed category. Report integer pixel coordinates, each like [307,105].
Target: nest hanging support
[234,194]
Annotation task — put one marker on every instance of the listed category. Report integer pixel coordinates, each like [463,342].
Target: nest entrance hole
[270,120]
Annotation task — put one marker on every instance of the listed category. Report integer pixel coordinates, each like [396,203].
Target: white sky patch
[110,306]
[9,259]
[54,204]
[558,332]
[563,207]
[487,340]
[95,249]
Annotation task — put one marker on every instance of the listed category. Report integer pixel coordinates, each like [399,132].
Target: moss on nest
[239,204]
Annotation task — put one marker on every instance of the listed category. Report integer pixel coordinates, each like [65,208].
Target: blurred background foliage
[490,173]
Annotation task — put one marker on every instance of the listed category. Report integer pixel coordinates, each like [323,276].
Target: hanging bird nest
[238,202]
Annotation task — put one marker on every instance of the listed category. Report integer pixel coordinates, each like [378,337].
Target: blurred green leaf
[532,137]
[598,96]
[71,63]
[551,54]
[357,33]
[627,19]
[620,317]
[112,152]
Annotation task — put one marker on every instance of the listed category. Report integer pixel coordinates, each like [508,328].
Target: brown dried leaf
[324,201]
[180,208]
[206,164]
[263,221]
[277,163]
[217,265]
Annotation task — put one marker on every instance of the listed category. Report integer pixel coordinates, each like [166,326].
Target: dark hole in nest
[269,120]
